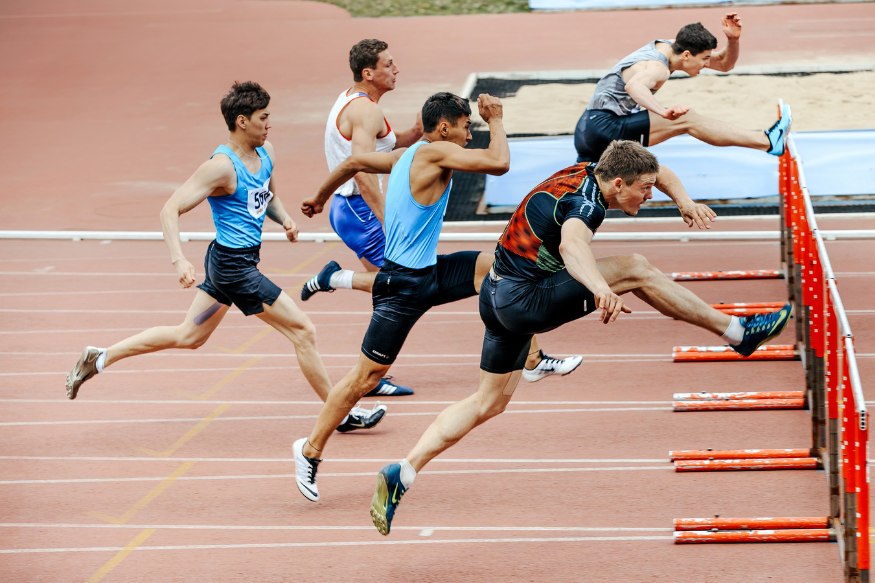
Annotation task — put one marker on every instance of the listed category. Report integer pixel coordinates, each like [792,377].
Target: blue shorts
[358,227]
[515,310]
[597,128]
[231,276]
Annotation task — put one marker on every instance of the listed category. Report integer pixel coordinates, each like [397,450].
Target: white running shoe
[550,366]
[305,471]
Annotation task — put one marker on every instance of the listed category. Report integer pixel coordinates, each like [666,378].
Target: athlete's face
[692,64]
[256,127]
[460,133]
[630,196]
[384,74]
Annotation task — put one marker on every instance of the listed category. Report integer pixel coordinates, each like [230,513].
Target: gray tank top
[610,92]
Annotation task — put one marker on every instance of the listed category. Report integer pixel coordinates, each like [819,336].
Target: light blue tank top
[239,217]
[412,229]
[610,92]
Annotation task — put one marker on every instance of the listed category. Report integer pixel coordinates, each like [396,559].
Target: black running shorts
[596,128]
[402,295]
[231,276]
[515,310]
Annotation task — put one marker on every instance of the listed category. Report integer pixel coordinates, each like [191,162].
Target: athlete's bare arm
[580,262]
[694,213]
[372,162]
[215,176]
[366,123]
[645,77]
[724,59]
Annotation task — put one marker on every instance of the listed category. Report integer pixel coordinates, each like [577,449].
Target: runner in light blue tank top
[412,229]
[239,217]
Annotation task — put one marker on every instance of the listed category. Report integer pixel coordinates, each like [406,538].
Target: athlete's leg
[294,324]
[457,420]
[342,398]
[202,318]
[633,273]
[708,129]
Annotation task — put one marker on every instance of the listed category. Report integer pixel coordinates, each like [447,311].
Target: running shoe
[361,418]
[305,471]
[387,496]
[778,133]
[85,368]
[550,366]
[385,388]
[761,328]
[321,282]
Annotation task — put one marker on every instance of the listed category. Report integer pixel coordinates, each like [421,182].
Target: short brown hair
[364,55]
[243,99]
[626,159]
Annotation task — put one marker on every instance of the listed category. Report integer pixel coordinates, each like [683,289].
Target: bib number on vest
[258,200]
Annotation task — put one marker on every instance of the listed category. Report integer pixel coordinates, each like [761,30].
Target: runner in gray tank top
[624,105]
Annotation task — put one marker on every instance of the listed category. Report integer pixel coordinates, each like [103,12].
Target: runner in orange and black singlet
[529,291]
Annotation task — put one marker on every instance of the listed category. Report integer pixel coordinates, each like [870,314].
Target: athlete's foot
[321,282]
[305,471]
[778,133]
[551,366]
[361,418]
[385,388]
[761,328]
[387,496]
[84,369]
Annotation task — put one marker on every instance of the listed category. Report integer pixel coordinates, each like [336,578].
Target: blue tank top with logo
[239,217]
[412,229]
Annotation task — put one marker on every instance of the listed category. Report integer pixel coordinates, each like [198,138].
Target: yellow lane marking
[120,556]
[145,500]
[189,435]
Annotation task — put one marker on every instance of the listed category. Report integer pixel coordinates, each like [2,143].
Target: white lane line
[312,416]
[225,477]
[304,528]
[419,541]
[395,403]
[177,459]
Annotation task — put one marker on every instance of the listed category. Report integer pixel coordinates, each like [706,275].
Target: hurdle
[737,274]
[833,392]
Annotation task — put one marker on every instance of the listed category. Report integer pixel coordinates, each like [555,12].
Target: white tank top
[339,147]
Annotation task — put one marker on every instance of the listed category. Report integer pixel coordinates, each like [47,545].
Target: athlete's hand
[732,26]
[611,305]
[675,112]
[698,214]
[184,272]
[311,207]
[291,229]
[489,106]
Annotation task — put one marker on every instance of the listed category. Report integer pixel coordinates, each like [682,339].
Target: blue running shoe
[761,328]
[778,133]
[320,282]
[389,389]
[387,496]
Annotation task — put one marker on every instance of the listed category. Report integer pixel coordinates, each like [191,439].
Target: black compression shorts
[401,296]
[596,128]
[515,310]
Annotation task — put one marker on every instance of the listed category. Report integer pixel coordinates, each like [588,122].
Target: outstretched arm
[642,78]
[581,265]
[725,58]
[692,212]
[215,175]
[372,162]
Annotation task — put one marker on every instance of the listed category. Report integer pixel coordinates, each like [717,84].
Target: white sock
[408,474]
[101,360]
[734,332]
[342,279]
